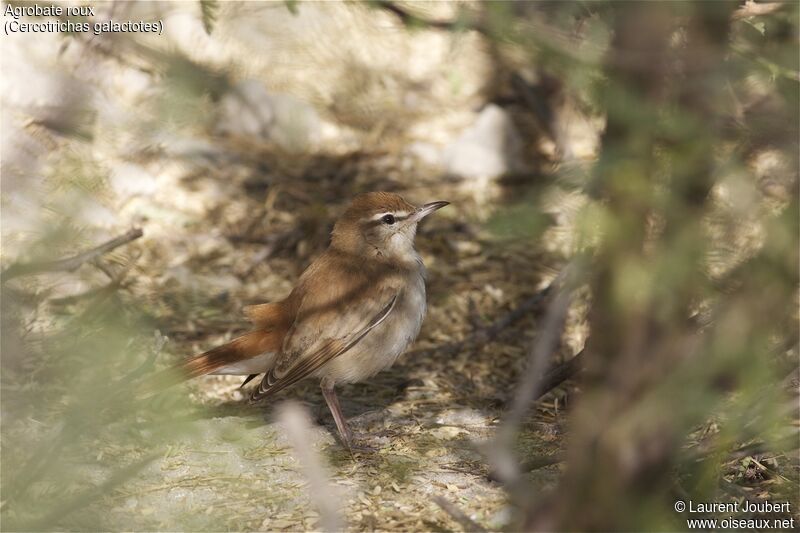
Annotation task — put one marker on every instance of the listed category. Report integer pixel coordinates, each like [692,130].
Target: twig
[546,343]
[298,426]
[458,515]
[561,373]
[500,453]
[70,263]
[115,283]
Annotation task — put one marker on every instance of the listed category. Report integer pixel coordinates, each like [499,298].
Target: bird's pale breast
[383,345]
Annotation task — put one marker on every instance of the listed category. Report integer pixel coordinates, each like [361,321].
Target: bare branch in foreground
[500,454]
[458,515]
[298,426]
[561,373]
[70,263]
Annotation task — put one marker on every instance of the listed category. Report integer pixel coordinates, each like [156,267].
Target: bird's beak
[427,209]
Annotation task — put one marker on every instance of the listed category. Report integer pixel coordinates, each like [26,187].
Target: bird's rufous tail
[249,345]
[271,325]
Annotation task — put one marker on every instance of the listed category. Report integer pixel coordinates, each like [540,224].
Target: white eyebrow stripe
[396,214]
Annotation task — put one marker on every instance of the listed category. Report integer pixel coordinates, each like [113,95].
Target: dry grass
[238,226]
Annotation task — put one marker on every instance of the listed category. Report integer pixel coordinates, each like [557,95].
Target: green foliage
[291,5]
[678,223]
[519,221]
[76,423]
[188,90]
[209,9]
[683,231]
[83,391]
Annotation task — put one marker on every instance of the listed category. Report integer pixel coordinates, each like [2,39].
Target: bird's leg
[333,404]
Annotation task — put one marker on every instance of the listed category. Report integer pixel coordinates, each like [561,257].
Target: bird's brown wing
[316,339]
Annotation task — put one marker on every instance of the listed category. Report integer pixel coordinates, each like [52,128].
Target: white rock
[246,110]
[250,110]
[427,153]
[296,126]
[128,179]
[489,148]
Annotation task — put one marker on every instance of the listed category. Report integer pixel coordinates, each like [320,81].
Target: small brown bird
[352,313]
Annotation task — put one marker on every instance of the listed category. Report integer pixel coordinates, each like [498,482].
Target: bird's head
[381,225]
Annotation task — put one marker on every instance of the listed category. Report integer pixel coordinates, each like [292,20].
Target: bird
[351,314]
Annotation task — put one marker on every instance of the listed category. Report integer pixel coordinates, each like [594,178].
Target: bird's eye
[387,219]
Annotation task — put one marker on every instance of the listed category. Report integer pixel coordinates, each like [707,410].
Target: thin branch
[500,454]
[561,373]
[458,515]
[70,263]
[546,343]
[117,281]
[323,495]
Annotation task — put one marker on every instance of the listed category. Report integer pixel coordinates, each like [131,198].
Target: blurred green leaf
[209,10]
